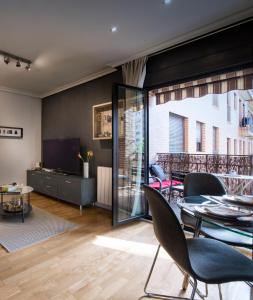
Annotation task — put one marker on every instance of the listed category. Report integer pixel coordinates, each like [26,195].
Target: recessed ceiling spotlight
[6,60]
[114,29]
[28,67]
[166,2]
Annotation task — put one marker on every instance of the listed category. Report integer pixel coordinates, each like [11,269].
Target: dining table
[196,207]
[242,226]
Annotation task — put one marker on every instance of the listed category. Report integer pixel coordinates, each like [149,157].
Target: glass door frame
[115,152]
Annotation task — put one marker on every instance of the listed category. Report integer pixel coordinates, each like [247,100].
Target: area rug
[38,226]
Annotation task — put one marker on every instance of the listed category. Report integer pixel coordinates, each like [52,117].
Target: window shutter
[176,133]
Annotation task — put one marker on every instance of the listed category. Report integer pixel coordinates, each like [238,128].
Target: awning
[218,84]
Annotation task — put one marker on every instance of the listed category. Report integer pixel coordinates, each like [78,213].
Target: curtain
[134,72]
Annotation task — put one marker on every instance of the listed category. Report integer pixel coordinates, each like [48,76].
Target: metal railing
[210,163]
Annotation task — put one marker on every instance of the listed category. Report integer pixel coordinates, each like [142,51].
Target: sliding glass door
[129,153]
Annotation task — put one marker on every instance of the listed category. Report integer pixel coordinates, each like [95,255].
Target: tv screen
[61,155]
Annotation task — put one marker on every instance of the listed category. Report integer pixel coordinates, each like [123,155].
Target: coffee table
[23,193]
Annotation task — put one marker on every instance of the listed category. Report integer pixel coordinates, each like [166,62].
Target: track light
[28,67]
[18,64]
[6,59]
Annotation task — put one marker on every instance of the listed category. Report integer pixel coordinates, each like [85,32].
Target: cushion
[158,171]
[165,184]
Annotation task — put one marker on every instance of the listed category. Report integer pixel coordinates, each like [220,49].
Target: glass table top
[242,226]
[21,190]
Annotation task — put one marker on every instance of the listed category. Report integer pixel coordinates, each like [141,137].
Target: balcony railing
[210,163]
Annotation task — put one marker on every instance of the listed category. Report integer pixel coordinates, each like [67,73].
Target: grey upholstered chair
[203,259]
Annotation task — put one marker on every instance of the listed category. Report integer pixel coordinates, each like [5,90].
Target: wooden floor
[93,262]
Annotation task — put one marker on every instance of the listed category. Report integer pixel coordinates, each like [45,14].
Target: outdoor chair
[197,184]
[203,259]
[159,181]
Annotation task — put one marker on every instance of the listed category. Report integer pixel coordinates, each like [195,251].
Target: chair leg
[194,289]
[220,292]
[169,194]
[161,296]
[188,280]
[151,270]
[185,282]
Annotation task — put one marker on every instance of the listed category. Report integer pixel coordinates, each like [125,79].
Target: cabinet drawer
[35,181]
[70,190]
[50,185]
[50,190]
[52,182]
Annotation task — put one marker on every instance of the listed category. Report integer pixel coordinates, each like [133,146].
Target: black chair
[203,259]
[178,176]
[197,184]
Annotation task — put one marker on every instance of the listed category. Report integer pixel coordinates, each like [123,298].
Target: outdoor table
[245,181]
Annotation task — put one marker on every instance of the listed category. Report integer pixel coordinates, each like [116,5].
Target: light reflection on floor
[136,248]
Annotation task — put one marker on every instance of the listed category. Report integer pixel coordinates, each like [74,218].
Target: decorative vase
[85,170]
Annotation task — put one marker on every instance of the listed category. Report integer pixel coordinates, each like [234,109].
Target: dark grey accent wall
[68,114]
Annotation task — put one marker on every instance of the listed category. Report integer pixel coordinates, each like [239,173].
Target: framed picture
[11,132]
[102,121]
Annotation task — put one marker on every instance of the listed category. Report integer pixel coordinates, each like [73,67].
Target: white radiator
[104,187]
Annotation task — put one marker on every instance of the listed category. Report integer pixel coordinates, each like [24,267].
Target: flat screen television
[61,155]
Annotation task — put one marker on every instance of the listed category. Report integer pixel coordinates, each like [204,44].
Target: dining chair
[203,259]
[197,184]
[179,176]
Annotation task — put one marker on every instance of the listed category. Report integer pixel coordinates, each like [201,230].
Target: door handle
[67,181]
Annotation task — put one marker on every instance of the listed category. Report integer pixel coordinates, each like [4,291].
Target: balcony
[246,131]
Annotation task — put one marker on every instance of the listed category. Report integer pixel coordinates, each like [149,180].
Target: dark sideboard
[69,188]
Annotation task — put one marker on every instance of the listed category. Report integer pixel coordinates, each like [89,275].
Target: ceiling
[70,42]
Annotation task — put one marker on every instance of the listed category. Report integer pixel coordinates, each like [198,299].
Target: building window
[244,147]
[235,147]
[176,133]
[199,137]
[215,140]
[228,108]
[240,111]
[240,143]
[228,146]
[235,101]
[215,100]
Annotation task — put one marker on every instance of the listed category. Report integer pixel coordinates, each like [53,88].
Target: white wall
[18,155]
[196,109]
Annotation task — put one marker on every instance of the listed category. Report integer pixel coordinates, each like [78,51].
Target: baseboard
[107,207]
